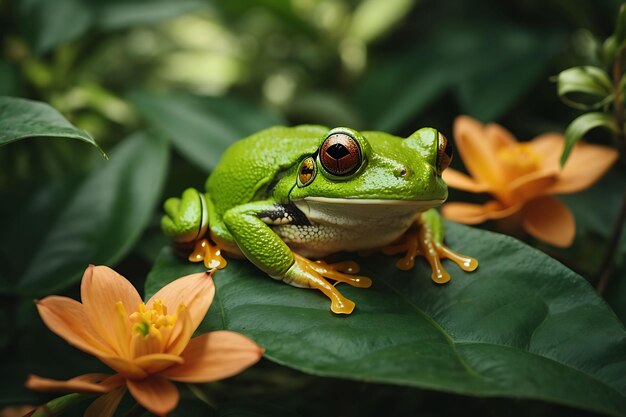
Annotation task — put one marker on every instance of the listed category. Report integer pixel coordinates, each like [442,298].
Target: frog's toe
[208,252]
[308,274]
[420,241]
[341,272]
[466,263]
[344,306]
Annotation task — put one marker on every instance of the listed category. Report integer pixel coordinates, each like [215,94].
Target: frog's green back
[252,163]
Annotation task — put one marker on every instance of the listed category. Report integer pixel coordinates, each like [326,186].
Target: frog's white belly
[349,224]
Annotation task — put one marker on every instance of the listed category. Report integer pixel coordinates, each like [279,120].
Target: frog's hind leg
[426,239]
[251,226]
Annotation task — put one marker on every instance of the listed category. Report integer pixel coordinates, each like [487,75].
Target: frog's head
[375,169]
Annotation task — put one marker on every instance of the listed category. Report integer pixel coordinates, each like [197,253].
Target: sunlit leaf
[583,124]
[372,18]
[201,128]
[585,87]
[103,219]
[21,119]
[521,326]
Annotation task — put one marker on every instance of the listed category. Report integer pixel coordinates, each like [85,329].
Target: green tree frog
[287,195]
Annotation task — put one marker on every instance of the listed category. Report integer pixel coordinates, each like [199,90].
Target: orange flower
[148,345]
[522,177]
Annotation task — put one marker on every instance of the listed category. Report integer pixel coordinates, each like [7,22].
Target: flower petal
[155,394]
[586,164]
[67,319]
[474,213]
[105,405]
[479,150]
[101,289]
[182,332]
[550,147]
[499,136]
[88,383]
[460,181]
[157,362]
[531,185]
[215,355]
[126,367]
[195,292]
[547,219]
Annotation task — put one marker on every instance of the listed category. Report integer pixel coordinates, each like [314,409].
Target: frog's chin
[328,210]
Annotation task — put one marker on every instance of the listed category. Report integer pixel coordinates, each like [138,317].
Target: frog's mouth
[333,210]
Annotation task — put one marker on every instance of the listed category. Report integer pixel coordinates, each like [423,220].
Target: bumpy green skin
[259,172]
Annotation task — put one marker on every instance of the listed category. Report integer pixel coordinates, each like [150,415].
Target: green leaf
[324,109]
[585,87]
[21,119]
[521,326]
[201,128]
[488,65]
[45,23]
[10,82]
[496,88]
[583,124]
[372,18]
[103,219]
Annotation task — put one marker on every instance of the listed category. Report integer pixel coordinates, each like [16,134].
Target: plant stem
[58,406]
[618,101]
[608,265]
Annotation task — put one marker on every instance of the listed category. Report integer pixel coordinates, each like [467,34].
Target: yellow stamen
[520,159]
[151,321]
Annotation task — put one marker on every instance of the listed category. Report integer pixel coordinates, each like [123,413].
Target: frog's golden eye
[306,172]
[340,154]
[444,153]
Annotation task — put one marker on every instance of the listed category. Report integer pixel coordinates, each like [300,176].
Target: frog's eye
[444,153]
[306,172]
[340,154]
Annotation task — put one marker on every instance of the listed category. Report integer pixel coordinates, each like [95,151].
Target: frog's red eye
[444,153]
[340,154]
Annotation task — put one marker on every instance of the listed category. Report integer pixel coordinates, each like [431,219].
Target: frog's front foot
[309,274]
[186,222]
[421,240]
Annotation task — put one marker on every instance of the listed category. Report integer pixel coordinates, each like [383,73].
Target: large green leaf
[21,119]
[521,326]
[201,128]
[489,66]
[103,219]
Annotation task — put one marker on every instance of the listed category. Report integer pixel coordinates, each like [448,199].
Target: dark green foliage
[165,86]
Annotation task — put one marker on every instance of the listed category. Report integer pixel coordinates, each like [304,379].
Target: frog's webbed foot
[309,274]
[210,253]
[420,240]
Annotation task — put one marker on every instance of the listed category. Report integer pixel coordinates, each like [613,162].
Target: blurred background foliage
[165,86]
